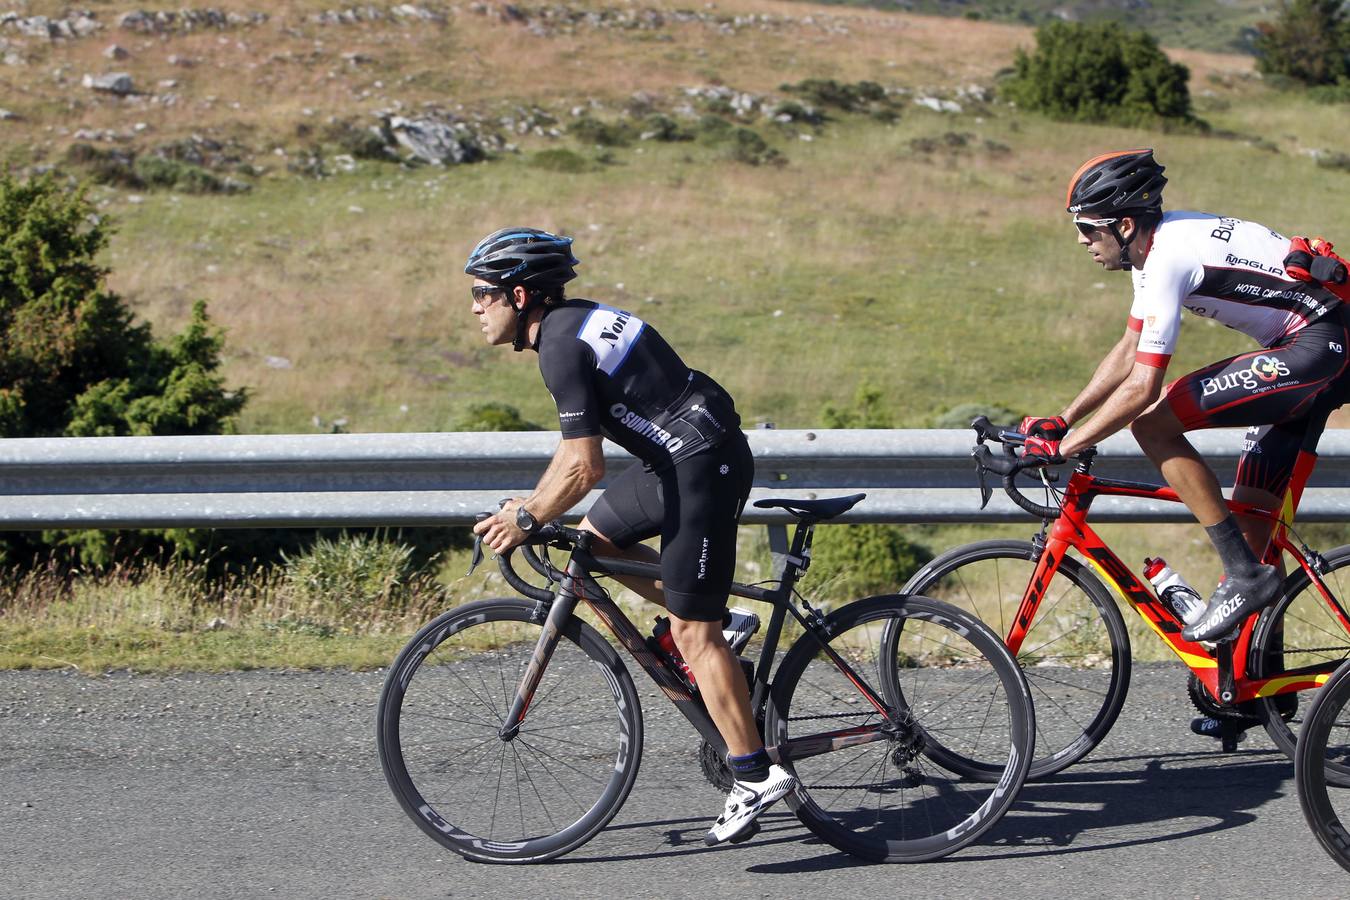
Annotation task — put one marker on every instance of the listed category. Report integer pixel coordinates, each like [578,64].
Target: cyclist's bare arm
[576,467]
[1136,393]
[1111,373]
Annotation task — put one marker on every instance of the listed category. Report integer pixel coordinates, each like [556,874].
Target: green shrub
[1332,93]
[1102,72]
[72,359]
[961,415]
[1339,161]
[156,171]
[661,127]
[111,167]
[713,129]
[359,143]
[851,561]
[831,93]
[494,417]
[1309,42]
[589,130]
[353,576]
[748,147]
[792,111]
[867,411]
[560,159]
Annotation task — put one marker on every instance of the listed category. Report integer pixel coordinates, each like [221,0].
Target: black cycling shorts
[694,506]
[1284,392]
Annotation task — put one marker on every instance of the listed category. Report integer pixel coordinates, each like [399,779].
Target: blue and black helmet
[525,256]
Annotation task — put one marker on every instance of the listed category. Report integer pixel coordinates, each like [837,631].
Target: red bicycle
[1061,622]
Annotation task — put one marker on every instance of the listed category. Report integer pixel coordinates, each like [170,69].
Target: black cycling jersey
[612,374]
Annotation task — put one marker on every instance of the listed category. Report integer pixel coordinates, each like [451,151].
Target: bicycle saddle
[817,510]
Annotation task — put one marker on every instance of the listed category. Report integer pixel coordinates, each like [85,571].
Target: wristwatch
[524,521]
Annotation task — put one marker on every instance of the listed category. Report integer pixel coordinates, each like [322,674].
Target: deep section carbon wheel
[888,787]
[1323,747]
[1076,655]
[517,798]
[1297,635]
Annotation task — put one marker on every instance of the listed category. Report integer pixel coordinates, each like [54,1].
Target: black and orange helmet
[1117,184]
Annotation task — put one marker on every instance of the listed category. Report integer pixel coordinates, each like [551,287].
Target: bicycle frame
[1222,670]
[578,585]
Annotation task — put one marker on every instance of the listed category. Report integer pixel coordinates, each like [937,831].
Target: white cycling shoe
[744,804]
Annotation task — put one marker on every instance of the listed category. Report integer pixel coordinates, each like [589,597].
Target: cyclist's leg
[1247,584]
[698,560]
[1263,471]
[704,497]
[627,513]
[1279,384]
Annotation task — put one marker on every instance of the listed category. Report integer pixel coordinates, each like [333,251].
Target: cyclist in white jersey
[1231,271]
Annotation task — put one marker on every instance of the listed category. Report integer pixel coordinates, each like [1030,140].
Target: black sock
[1238,559]
[751,767]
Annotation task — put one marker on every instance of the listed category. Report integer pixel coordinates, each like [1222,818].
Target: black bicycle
[1323,754]
[510,730]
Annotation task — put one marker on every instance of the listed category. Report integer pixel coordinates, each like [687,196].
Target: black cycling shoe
[1208,726]
[1232,601]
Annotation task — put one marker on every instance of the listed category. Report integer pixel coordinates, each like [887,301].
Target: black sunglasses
[480,291]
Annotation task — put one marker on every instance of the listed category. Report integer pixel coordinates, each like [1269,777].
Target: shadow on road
[1162,798]
[1170,797]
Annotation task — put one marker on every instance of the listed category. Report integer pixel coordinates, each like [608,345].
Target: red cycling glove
[1053,428]
[1041,451]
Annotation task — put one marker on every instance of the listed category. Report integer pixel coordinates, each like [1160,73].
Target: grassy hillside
[1217,25]
[928,255]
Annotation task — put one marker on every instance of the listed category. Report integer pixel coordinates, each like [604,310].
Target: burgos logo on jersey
[1259,376]
[645,428]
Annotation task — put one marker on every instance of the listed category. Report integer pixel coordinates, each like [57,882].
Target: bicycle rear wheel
[549,788]
[1301,636]
[1325,745]
[884,788]
[1076,655]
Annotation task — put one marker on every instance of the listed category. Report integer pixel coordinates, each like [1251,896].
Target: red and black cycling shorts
[1285,391]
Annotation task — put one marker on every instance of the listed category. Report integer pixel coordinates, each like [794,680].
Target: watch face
[524,521]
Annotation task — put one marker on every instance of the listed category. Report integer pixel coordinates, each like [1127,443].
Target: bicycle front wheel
[883,787]
[524,798]
[1300,635]
[1323,745]
[1076,654]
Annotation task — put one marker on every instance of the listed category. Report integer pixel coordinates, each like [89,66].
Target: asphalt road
[267,784]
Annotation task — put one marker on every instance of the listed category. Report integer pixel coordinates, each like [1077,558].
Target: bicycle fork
[564,604]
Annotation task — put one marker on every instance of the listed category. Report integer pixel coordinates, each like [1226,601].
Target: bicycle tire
[896,799]
[1299,630]
[1078,621]
[539,795]
[1326,737]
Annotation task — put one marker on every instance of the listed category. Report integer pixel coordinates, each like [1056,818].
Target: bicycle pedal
[750,831]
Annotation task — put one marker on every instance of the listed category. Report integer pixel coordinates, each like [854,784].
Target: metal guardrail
[440,479]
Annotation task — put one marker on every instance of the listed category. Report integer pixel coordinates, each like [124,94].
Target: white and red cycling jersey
[1224,269]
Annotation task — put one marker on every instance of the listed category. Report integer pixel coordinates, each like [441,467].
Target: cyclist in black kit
[1244,276]
[612,375]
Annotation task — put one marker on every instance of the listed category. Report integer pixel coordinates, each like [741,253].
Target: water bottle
[665,644]
[1174,590]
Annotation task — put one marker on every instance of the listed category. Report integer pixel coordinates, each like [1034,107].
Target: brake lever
[985,491]
[477,544]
